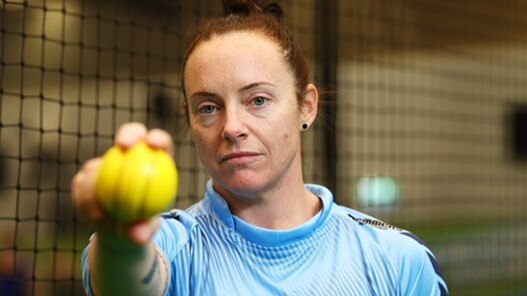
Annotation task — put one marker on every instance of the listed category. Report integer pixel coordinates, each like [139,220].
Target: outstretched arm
[121,258]
[124,269]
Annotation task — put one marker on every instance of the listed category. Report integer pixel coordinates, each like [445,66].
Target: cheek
[286,132]
[287,139]
[201,141]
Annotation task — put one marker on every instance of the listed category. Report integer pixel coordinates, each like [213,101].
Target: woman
[259,230]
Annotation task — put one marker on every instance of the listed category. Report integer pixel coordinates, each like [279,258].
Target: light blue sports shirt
[340,251]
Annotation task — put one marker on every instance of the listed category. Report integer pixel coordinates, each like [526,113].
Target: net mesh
[425,96]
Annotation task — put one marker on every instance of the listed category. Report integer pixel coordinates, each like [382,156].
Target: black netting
[423,122]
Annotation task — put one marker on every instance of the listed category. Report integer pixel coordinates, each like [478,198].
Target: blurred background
[423,124]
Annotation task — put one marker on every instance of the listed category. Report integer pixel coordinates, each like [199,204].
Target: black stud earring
[305,126]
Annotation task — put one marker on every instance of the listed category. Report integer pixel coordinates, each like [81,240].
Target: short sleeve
[173,232]
[419,270]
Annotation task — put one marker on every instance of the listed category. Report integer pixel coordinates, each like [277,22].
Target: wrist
[117,244]
[129,238]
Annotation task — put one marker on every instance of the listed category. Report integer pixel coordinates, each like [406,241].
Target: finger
[75,191]
[96,212]
[129,134]
[92,164]
[83,189]
[160,139]
[77,187]
[141,232]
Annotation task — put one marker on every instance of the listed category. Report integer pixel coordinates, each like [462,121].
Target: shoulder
[377,235]
[418,272]
[176,229]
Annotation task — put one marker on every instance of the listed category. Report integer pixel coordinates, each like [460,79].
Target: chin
[243,184]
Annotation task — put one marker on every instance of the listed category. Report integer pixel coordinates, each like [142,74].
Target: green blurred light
[378,191]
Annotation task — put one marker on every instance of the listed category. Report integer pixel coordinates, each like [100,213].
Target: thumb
[141,232]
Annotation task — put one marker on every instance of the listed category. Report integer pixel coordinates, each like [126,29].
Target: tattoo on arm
[150,275]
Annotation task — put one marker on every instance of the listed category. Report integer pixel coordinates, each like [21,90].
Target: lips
[239,157]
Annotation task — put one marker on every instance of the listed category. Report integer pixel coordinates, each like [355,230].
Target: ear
[309,104]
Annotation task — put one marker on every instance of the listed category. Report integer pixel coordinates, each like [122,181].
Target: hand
[85,201]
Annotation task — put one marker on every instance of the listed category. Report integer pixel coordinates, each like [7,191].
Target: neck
[285,205]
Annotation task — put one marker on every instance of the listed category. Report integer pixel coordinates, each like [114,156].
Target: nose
[234,128]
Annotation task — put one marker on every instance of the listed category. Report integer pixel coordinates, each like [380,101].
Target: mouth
[239,157]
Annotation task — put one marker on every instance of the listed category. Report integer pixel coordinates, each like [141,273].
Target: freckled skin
[242,59]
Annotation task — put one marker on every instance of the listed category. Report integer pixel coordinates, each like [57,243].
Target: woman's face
[243,113]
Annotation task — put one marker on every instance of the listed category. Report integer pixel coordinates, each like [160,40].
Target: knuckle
[91,164]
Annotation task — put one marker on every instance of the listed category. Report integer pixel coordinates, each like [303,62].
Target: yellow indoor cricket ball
[137,183]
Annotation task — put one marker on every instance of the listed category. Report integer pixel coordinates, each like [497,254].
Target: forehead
[239,41]
[244,57]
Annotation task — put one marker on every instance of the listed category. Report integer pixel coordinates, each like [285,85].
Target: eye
[259,101]
[207,109]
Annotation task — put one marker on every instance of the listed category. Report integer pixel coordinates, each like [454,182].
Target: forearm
[127,270]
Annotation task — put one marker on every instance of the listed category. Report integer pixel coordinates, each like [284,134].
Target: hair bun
[251,7]
[237,7]
[274,9]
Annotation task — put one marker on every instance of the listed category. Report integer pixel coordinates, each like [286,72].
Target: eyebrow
[256,84]
[244,88]
[203,94]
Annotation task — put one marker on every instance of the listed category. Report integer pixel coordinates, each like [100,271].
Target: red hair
[263,17]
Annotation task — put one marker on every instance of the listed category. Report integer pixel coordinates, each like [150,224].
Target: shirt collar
[220,209]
